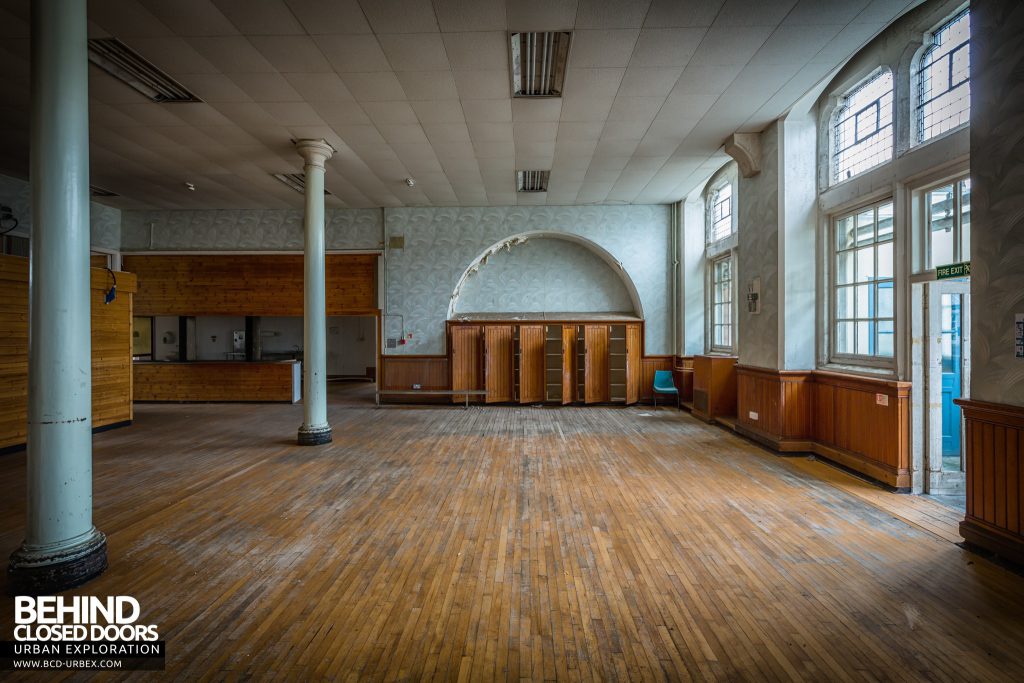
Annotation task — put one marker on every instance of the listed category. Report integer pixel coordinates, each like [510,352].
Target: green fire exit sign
[953,270]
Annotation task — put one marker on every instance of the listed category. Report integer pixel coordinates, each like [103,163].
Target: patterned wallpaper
[104,221]
[758,256]
[544,274]
[246,230]
[440,243]
[997,172]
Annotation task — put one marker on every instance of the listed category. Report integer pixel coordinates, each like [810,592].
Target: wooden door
[531,363]
[634,372]
[596,359]
[498,360]
[568,363]
[465,348]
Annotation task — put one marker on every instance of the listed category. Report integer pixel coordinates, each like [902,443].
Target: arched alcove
[542,272]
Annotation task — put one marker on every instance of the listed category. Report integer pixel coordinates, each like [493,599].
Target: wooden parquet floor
[437,543]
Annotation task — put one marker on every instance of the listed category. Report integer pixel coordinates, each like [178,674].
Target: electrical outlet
[417,386]
[753,415]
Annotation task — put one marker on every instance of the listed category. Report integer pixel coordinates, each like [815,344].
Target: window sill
[864,370]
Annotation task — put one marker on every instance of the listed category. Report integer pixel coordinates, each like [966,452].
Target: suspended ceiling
[420,89]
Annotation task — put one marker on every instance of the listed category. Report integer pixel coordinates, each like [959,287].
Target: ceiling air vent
[127,65]
[100,192]
[532,181]
[538,63]
[296,181]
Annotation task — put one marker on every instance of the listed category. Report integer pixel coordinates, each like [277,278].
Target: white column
[62,548]
[314,430]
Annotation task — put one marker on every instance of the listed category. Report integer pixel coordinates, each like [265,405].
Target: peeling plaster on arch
[510,242]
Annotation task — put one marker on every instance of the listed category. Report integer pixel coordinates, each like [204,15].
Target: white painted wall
[351,344]
[213,336]
[165,329]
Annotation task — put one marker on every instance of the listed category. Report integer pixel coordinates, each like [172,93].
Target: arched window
[944,79]
[862,130]
[720,229]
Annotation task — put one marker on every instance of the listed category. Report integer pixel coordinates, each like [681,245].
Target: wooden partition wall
[860,422]
[994,440]
[243,284]
[111,350]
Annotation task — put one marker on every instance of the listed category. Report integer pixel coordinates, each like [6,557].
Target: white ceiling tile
[428,85]
[231,54]
[569,149]
[268,18]
[687,106]
[614,148]
[624,130]
[578,131]
[390,112]
[635,108]
[443,133]
[541,15]
[608,48]
[666,46]
[126,19]
[481,84]
[677,13]
[173,55]
[753,12]
[791,45]
[291,54]
[213,87]
[704,80]
[478,50]
[440,111]
[470,15]
[533,156]
[245,114]
[454,149]
[575,165]
[374,87]
[490,132]
[489,111]
[418,157]
[399,16]
[585,108]
[649,81]
[342,113]
[733,45]
[414,51]
[611,13]
[330,16]
[541,109]
[592,83]
[266,87]
[495,153]
[533,131]
[316,87]
[820,12]
[199,114]
[190,17]
[357,135]
[353,53]
[402,133]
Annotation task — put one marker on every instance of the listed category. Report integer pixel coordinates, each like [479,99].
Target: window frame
[924,224]
[835,357]
[713,304]
[843,107]
[712,203]
[918,77]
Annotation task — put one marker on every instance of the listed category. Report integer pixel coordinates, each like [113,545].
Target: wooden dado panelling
[994,439]
[111,350]
[648,366]
[239,284]
[400,373]
[714,387]
[232,381]
[775,406]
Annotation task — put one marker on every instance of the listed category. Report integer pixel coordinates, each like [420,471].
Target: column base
[314,436]
[45,571]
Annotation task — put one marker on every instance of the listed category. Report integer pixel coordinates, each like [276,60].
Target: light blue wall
[441,243]
[105,221]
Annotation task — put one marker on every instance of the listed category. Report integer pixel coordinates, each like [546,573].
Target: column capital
[314,152]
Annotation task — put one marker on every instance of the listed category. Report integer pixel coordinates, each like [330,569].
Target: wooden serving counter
[218,381]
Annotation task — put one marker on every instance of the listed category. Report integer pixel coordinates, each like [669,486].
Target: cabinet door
[498,355]
[465,347]
[531,363]
[568,363]
[596,359]
[634,372]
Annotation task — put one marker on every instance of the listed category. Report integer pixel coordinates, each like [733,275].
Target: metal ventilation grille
[538,63]
[532,181]
[296,181]
[127,65]
[100,192]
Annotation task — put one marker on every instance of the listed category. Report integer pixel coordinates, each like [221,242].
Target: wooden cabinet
[714,387]
[464,344]
[634,362]
[530,371]
[498,362]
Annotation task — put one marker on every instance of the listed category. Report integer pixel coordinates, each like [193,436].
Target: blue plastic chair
[663,384]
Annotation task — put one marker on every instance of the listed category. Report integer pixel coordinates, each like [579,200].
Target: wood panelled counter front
[215,381]
[111,349]
[243,284]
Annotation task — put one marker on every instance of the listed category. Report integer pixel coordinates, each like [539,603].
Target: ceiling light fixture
[131,68]
[538,63]
[296,181]
[532,181]
[411,182]
[190,187]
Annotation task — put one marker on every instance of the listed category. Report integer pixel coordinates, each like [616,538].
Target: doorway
[947,379]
